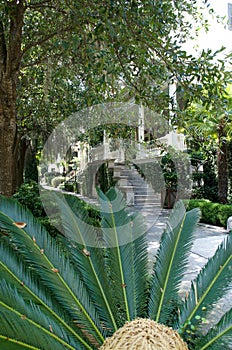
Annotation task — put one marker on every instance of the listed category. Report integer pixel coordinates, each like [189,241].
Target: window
[230,16]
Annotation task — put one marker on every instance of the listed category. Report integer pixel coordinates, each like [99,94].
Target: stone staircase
[141,197]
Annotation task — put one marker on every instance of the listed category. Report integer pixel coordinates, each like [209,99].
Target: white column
[172,95]
[141,124]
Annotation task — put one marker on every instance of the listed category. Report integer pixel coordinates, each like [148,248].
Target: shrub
[28,195]
[69,186]
[212,213]
[57,181]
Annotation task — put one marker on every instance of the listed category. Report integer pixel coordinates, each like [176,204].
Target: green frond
[171,262]
[7,343]
[219,337]
[71,292]
[93,273]
[47,260]
[211,284]
[140,253]
[126,254]
[25,322]
[28,285]
[90,266]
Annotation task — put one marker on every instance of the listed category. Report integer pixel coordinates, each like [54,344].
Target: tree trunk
[10,61]
[7,138]
[222,164]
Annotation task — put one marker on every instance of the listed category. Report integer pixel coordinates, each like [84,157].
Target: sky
[218,35]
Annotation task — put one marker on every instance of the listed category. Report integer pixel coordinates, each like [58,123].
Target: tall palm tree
[213,124]
[66,293]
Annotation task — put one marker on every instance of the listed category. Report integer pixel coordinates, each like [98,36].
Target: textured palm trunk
[222,161]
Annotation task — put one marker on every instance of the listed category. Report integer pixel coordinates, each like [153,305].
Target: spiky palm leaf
[171,262]
[219,336]
[126,252]
[69,294]
[51,268]
[211,284]
[23,317]
[88,260]
[121,233]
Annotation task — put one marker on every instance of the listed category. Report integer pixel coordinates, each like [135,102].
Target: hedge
[212,213]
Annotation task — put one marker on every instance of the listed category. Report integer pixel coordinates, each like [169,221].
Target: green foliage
[217,337]
[169,175]
[29,196]
[95,53]
[205,293]
[105,178]
[212,213]
[66,293]
[230,170]
[95,135]
[203,160]
[30,168]
[171,262]
[210,180]
[208,125]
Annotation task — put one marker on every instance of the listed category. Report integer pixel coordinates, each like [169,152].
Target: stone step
[147,195]
[146,203]
[138,193]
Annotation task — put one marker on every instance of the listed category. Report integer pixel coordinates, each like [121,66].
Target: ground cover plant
[62,293]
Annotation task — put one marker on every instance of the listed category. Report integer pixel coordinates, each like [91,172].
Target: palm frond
[88,259]
[126,254]
[8,343]
[47,260]
[219,337]
[171,262]
[28,285]
[92,271]
[140,254]
[25,322]
[211,284]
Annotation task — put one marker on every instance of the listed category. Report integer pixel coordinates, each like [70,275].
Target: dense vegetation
[212,213]
[98,52]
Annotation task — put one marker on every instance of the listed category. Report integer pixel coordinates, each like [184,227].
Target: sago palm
[65,293]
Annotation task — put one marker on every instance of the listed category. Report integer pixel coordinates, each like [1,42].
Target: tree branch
[45,39]
[41,59]
[45,5]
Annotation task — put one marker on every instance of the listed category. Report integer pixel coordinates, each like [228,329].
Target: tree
[73,294]
[103,47]
[212,123]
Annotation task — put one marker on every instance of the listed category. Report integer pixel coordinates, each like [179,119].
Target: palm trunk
[222,163]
